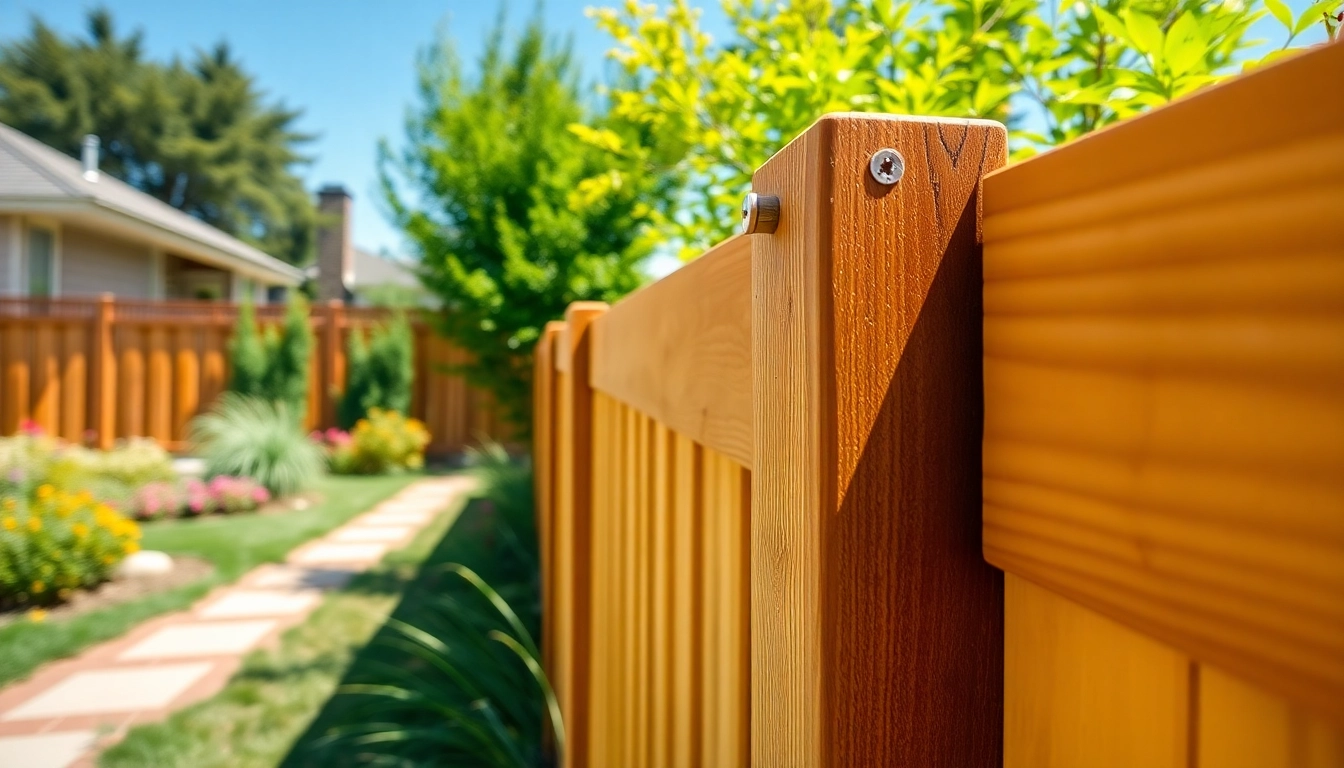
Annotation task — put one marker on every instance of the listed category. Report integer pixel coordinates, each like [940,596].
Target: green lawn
[235,544]
[274,697]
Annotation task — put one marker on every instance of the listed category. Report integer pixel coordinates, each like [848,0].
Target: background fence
[806,448]
[145,368]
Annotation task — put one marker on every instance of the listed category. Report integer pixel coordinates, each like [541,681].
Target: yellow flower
[9,505]
[38,586]
[131,548]
[36,615]
[11,523]
[80,530]
[84,497]
[108,559]
[44,491]
[34,524]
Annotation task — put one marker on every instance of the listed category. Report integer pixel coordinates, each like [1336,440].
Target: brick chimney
[335,254]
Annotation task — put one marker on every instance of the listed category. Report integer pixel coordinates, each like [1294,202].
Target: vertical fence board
[74,382]
[14,356]
[46,381]
[687,595]
[186,379]
[159,391]
[129,403]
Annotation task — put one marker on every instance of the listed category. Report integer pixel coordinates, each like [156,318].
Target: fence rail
[145,368]
[806,448]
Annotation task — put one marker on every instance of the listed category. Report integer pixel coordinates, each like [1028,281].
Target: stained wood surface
[680,350]
[544,427]
[876,627]
[123,369]
[1164,357]
[670,640]
[1083,691]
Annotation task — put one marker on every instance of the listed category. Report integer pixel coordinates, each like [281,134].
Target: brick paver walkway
[60,716]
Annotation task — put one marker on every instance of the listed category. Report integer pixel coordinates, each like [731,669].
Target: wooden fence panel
[1164,432]
[118,369]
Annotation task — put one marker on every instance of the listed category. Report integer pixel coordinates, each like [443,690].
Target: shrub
[250,437]
[32,458]
[385,441]
[236,494]
[155,500]
[53,541]
[286,378]
[273,364]
[379,373]
[247,353]
[194,497]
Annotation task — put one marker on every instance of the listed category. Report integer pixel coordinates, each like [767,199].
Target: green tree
[513,214]
[713,113]
[247,354]
[379,373]
[197,135]
[287,372]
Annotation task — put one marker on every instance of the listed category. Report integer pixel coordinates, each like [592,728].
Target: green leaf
[1312,15]
[1280,10]
[1146,36]
[1110,23]
[1185,46]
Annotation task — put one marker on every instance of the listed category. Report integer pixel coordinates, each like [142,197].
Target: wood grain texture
[679,350]
[1082,691]
[669,678]
[1164,355]
[876,627]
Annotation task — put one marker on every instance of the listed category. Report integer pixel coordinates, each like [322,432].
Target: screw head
[887,166]
[760,214]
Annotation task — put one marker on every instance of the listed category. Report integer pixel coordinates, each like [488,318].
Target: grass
[235,544]
[275,695]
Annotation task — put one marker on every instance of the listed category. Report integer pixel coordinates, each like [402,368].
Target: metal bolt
[760,214]
[887,166]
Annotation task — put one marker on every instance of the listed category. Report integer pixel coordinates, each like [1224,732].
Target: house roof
[371,269]
[35,177]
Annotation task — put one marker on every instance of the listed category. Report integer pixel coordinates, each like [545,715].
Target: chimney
[334,252]
[90,157]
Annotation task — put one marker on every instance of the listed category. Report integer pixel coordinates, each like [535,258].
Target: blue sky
[349,64]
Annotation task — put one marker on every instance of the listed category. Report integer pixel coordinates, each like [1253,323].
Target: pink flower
[31,428]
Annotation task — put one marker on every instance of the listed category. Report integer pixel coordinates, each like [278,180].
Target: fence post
[103,393]
[331,382]
[876,626]
[572,545]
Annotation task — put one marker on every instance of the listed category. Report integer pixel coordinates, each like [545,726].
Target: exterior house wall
[8,258]
[93,263]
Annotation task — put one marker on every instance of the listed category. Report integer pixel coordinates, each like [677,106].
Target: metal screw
[760,214]
[887,166]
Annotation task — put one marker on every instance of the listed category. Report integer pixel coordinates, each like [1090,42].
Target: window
[41,261]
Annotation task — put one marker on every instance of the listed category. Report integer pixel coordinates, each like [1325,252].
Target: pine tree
[248,354]
[287,375]
[358,383]
[391,364]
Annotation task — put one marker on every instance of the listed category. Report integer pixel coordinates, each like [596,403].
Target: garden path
[64,713]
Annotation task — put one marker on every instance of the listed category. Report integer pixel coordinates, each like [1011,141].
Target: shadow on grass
[427,589]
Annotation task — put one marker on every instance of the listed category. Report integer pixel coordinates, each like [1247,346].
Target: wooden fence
[116,369]
[771,486]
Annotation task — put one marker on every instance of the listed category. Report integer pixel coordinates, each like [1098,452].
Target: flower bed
[383,442]
[53,541]
[195,497]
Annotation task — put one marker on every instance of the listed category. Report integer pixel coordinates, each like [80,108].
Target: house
[356,276]
[67,230]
